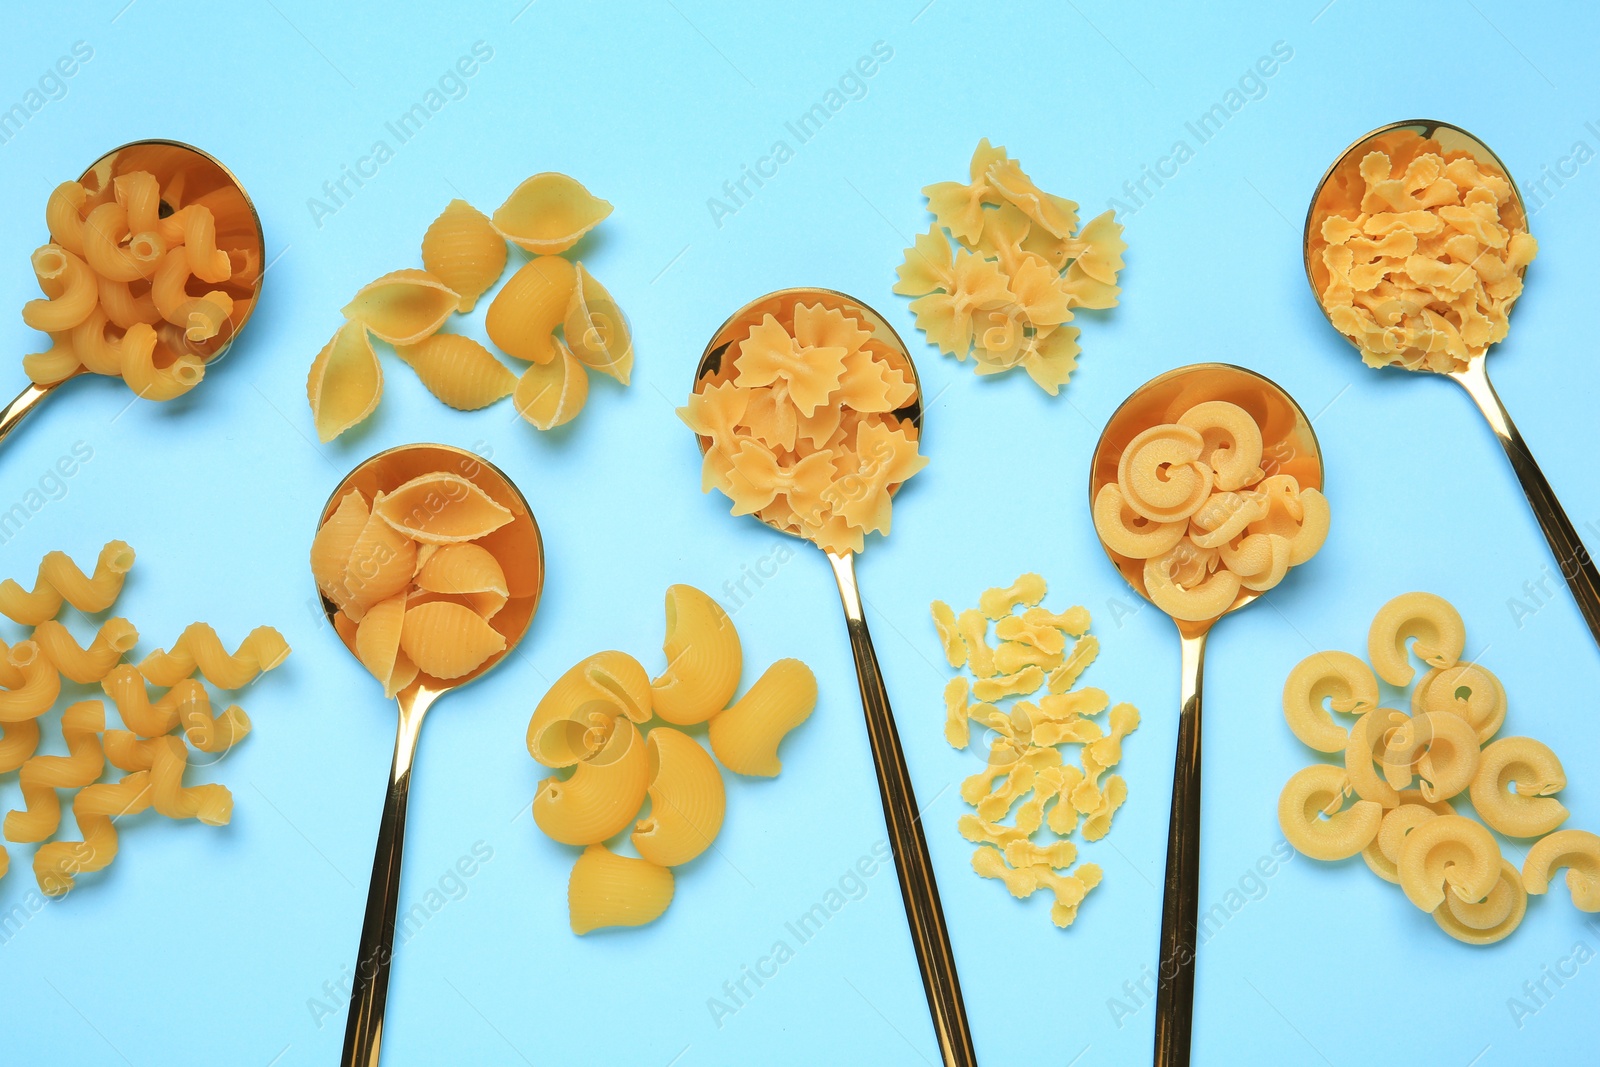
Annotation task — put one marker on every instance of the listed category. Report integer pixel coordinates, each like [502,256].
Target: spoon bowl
[188,175]
[519,549]
[1289,446]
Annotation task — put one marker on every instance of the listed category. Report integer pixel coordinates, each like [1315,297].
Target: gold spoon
[519,549]
[238,229]
[901,814]
[1576,565]
[1291,449]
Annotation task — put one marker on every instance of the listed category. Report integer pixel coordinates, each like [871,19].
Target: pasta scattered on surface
[1026,771]
[1001,270]
[611,890]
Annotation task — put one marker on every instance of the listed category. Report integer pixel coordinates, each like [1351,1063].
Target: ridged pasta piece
[195,227]
[549,213]
[205,730]
[1491,920]
[335,540]
[441,508]
[199,648]
[1446,753]
[957,724]
[41,776]
[57,863]
[944,621]
[99,353]
[18,742]
[746,736]
[524,314]
[104,230]
[1317,791]
[704,659]
[210,803]
[86,666]
[41,684]
[56,364]
[1128,533]
[1448,853]
[63,215]
[345,382]
[1483,704]
[1200,602]
[1368,745]
[1439,634]
[1576,850]
[140,196]
[123,306]
[1161,474]
[403,306]
[448,640]
[687,799]
[551,394]
[1537,773]
[69,288]
[596,331]
[381,565]
[1232,442]
[60,579]
[603,794]
[1322,680]
[1083,652]
[1382,853]
[125,687]
[199,317]
[611,890]
[606,684]
[469,571]
[149,380]
[458,370]
[464,251]
[1027,590]
[378,643]
[1017,683]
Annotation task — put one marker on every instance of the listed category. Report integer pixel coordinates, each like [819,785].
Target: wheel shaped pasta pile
[1389,794]
[551,314]
[1006,289]
[40,669]
[1193,504]
[1417,254]
[801,427]
[619,740]
[1026,771]
[117,277]
[416,591]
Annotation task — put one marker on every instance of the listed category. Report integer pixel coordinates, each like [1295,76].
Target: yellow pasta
[549,213]
[1127,532]
[41,776]
[524,314]
[381,564]
[335,541]
[1448,853]
[999,686]
[957,726]
[1429,621]
[63,215]
[1027,590]
[1316,791]
[403,306]
[469,571]
[687,800]
[1576,850]
[944,620]
[441,508]
[57,363]
[205,730]
[59,579]
[703,656]
[1083,653]
[378,645]
[18,742]
[1322,680]
[57,863]
[85,665]
[606,684]
[746,736]
[1469,690]
[199,648]
[345,382]
[69,288]
[140,196]
[1530,811]
[125,687]
[463,250]
[149,380]
[551,393]
[1490,920]
[603,794]
[611,890]
[596,331]
[1383,851]
[1194,602]
[448,640]
[200,317]
[41,684]
[459,371]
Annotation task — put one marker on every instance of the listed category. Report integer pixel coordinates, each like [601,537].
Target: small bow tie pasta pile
[551,314]
[1005,290]
[152,748]
[1404,769]
[619,740]
[1025,753]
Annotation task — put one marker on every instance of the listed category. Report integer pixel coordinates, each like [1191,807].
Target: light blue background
[207,946]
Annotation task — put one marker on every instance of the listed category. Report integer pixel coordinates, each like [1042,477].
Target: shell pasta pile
[551,314]
[1403,771]
[619,740]
[150,751]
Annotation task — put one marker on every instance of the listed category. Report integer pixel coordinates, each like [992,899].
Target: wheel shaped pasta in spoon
[808,411]
[430,565]
[1205,489]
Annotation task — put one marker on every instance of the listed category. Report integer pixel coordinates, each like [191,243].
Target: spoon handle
[912,864]
[1572,558]
[1180,901]
[363,1032]
[24,403]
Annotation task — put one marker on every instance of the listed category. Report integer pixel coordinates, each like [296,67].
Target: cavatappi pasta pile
[800,426]
[620,740]
[1192,502]
[1417,254]
[116,277]
[1004,265]
[151,750]
[551,314]
[1036,650]
[416,594]
[1404,769]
